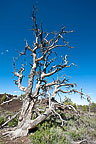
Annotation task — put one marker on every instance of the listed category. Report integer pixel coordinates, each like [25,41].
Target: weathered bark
[41,118]
[28,124]
[43,66]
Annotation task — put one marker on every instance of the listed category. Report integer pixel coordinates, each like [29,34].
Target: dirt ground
[12,106]
[7,140]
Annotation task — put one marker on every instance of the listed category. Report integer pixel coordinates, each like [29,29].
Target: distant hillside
[16,104]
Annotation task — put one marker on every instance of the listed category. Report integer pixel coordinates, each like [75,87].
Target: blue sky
[79,15]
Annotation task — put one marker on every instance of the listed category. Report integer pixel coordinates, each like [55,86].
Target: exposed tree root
[27,125]
[18,132]
[9,120]
[15,133]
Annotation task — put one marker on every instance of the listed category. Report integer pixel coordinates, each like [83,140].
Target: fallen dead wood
[9,120]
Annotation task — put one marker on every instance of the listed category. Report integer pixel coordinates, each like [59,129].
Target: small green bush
[13,123]
[76,129]
[84,108]
[93,105]
[3,97]
[1,120]
[75,135]
[92,133]
[68,101]
[48,134]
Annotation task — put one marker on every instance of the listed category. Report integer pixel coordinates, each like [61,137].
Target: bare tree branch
[43,65]
[20,76]
[63,121]
[9,120]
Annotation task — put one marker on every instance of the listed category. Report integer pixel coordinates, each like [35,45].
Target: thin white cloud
[7,50]
[17,91]
[3,52]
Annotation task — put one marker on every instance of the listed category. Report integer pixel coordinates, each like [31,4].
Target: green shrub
[92,133]
[13,122]
[1,120]
[48,134]
[75,106]
[75,135]
[68,101]
[3,97]
[93,105]
[84,108]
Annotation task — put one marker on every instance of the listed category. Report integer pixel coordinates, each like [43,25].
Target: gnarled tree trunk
[43,67]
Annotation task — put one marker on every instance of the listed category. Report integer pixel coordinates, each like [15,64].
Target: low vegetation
[1,120]
[76,129]
[13,123]
[79,127]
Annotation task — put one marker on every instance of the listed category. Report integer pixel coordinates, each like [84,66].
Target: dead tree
[45,67]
